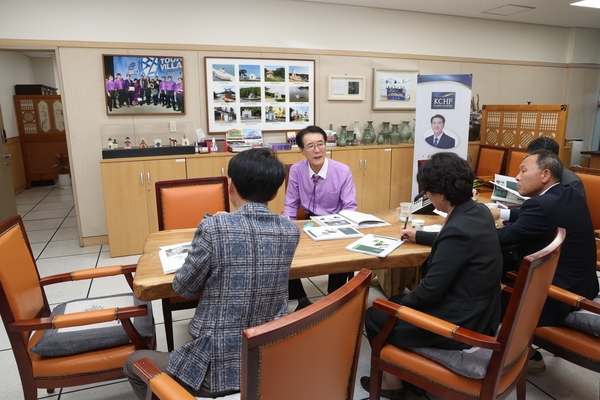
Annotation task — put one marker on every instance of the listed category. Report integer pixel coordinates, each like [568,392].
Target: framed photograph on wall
[394,90]
[138,85]
[342,87]
[263,94]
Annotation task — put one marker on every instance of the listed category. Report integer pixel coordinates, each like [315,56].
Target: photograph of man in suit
[439,139]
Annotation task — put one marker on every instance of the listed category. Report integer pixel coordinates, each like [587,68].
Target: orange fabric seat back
[591,183]
[19,277]
[515,159]
[182,203]
[184,206]
[491,161]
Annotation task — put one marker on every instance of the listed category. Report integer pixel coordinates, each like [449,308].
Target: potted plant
[63,167]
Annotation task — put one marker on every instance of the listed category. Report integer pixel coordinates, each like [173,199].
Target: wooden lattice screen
[515,126]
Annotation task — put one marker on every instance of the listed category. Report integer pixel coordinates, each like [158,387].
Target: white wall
[45,71]
[292,25]
[16,69]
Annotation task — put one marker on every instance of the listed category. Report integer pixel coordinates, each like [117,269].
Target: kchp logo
[443,100]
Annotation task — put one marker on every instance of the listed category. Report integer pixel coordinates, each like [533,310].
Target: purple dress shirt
[333,193]
[110,86]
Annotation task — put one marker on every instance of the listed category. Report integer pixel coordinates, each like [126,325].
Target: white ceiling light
[587,3]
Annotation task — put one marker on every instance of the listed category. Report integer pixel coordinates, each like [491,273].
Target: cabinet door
[401,175]
[156,171]
[124,186]
[207,165]
[355,161]
[376,180]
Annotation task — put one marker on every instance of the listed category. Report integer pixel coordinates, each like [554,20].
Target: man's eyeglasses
[311,147]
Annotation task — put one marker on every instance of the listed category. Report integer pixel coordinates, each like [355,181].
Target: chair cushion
[80,339]
[471,363]
[584,321]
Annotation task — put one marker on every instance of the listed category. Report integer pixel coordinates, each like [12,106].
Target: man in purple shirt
[122,95]
[163,91]
[320,186]
[111,93]
[170,90]
[179,94]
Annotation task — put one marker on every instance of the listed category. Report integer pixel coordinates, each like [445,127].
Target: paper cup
[418,224]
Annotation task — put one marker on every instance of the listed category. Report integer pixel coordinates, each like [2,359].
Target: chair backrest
[523,312]
[312,353]
[491,161]
[515,158]
[591,182]
[300,214]
[21,295]
[182,203]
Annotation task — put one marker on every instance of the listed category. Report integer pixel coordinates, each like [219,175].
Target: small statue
[127,143]
[157,142]
[213,146]
[143,144]
[109,144]
[172,142]
[185,141]
[115,144]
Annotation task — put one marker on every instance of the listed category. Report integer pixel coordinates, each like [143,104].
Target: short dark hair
[309,129]
[257,174]
[543,143]
[440,116]
[448,174]
[548,160]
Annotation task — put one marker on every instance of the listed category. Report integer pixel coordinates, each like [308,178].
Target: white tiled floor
[49,219]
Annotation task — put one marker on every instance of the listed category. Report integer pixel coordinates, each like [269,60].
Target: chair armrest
[92,273]
[597,233]
[161,384]
[123,314]
[436,325]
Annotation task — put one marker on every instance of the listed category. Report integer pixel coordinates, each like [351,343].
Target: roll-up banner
[442,117]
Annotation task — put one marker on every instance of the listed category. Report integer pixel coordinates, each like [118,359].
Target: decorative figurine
[115,144]
[143,144]
[127,143]
[185,141]
[157,142]
[172,142]
[213,146]
[109,144]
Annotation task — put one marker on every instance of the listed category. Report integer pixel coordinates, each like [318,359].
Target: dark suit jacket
[445,142]
[460,279]
[534,226]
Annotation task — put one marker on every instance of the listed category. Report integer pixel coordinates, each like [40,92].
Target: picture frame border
[214,128]
[360,96]
[403,74]
[165,114]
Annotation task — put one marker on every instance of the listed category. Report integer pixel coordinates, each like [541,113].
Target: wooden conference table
[311,258]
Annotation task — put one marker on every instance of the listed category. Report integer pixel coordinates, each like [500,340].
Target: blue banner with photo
[147,66]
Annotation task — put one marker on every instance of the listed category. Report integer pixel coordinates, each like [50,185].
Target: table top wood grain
[311,258]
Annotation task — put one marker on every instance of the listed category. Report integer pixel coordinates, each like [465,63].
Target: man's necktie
[312,204]
[435,142]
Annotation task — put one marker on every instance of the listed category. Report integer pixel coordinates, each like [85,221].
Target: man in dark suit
[552,205]
[439,139]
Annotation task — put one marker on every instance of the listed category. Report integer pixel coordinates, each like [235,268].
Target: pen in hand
[404,237]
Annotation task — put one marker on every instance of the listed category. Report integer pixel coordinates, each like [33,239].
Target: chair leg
[168,318]
[375,383]
[522,384]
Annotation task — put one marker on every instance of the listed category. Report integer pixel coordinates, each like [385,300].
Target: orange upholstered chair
[591,182]
[507,367]
[310,354]
[515,159]
[182,204]
[491,161]
[29,323]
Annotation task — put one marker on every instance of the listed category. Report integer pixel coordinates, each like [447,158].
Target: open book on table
[375,245]
[317,233]
[349,218]
[505,190]
[172,257]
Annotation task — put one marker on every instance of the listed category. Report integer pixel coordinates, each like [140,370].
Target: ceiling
[541,12]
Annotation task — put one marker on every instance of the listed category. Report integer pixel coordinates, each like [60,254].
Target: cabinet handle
[365,161]
[148,178]
[359,165]
[222,171]
[141,178]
